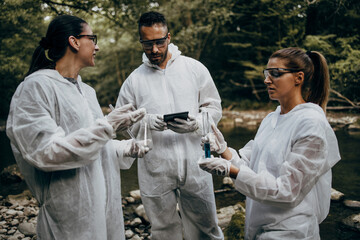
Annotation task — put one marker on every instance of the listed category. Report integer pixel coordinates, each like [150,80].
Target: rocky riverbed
[18,213]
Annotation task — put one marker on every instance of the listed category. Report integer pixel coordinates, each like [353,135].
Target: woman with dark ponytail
[63,144]
[285,171]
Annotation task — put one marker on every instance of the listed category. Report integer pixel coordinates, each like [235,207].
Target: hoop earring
[47,55]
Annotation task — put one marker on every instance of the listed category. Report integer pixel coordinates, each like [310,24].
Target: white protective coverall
[170,170]
[62,145]
[285,172]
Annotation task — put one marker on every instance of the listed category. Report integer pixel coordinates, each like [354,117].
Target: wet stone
[129,233]
[336,195]
[352,204]
[352,222]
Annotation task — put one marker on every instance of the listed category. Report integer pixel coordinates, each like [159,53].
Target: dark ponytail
[316,84]
[53,47]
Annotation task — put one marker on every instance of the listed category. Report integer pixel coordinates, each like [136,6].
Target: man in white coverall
[168,82]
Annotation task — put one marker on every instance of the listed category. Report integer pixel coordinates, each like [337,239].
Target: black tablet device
[172,116]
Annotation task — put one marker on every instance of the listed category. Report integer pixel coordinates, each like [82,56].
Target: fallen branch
[343,97]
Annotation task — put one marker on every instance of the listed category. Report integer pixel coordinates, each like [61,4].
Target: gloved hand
[156,122]
[213,165]
[184,126]
[136,149]
[123,117]
[216,140]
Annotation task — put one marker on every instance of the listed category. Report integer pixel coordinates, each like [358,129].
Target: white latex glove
[123,117]
[136,149]
[156,122]
[213,165]
[183,126]
[216,140]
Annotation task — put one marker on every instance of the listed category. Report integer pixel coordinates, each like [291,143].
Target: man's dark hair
[150,18]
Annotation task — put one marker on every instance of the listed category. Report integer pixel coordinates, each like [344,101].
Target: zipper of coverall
[177,153]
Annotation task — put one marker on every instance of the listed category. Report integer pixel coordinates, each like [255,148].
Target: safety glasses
[160,42]
[91,37]
[278,72]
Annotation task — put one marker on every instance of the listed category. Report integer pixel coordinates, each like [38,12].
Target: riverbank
[18,216]
[251,119]
[15,218]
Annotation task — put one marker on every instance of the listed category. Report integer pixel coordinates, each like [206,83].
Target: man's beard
[159,60]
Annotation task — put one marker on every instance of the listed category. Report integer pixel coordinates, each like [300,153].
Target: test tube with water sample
[205,131]
[144,133]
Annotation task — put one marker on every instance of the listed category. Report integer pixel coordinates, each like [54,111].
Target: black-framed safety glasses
[278,72]
[160,42]
[91,37]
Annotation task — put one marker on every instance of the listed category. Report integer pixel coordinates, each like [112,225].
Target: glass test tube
[206,129]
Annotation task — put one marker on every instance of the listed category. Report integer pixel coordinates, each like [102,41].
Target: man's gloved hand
[213,165]
[136,149]
[156,122]
[184,126]
[216,140]
[123,117]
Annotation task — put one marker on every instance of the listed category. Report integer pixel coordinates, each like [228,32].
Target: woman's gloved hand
[123,117]
[216,140]
[136,149]
[213,165]
[184,126]
[156,122]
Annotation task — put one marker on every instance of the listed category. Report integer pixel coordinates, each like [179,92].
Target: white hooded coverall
[62,145]
[169,172]
[285,172]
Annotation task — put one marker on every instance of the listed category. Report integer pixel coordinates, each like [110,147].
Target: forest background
[233,39]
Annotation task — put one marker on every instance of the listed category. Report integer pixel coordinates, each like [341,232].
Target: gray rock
[22,199]
[16,236]
[224,214]
[352,221]
[336,195]
[11,212]
[140,211]
[135,237]
[352,204]
[14,222]
[26,228]
[135,194]
[129,233]
[227,181]
[130,199]
[354,128]
[135,222]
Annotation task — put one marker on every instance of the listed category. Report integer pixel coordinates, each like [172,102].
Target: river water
[346,178]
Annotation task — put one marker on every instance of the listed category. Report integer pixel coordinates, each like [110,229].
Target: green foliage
[21,26]
[345,71]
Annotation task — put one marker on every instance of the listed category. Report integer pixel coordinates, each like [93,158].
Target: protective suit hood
[174,50]
[300,107]
[51,73]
